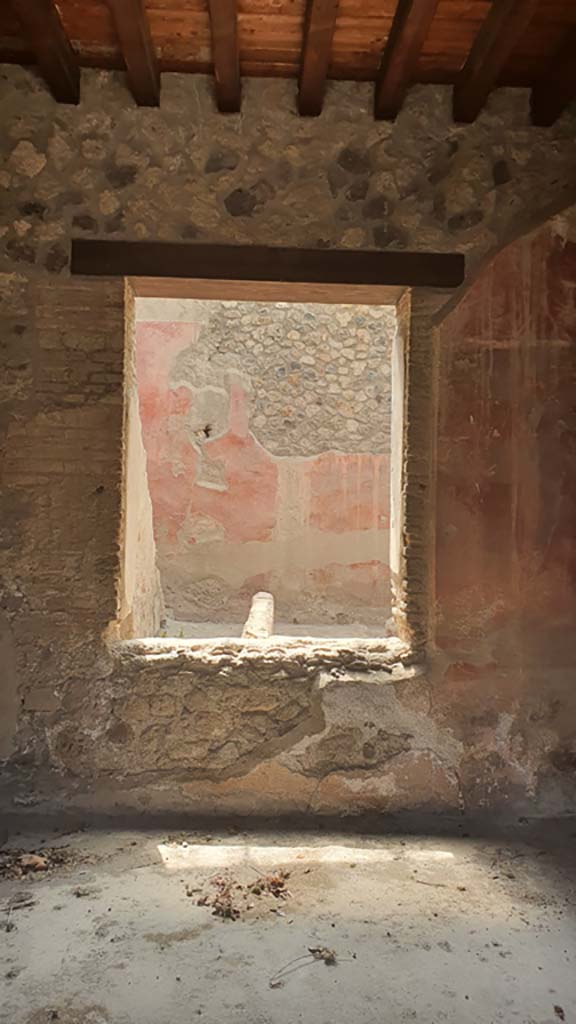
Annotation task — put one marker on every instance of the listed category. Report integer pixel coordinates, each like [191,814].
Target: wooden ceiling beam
[51,46]
[133,31]
[225,54]
[495,42]
[316,52]
[410,27]
[557,87]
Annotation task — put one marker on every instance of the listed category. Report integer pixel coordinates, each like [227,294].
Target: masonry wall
[488,720]
[61,510]
[268,176]
[267,431]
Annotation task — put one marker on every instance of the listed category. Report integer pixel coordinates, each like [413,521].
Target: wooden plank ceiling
[474,45]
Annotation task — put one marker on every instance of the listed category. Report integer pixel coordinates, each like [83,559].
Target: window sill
[337,659]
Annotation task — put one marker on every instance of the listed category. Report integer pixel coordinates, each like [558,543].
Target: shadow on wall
[267,433]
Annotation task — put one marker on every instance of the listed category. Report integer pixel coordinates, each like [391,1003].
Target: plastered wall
[487,721]
[267,431]
[140,598]
[506,523]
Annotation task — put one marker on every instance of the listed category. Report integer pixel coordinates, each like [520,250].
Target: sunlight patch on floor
[175,857]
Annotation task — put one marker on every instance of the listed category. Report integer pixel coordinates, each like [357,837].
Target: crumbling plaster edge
[335,660]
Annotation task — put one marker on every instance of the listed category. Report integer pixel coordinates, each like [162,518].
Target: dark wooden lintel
[259,263]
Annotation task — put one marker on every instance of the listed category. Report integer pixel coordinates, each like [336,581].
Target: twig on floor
[277,980]
[435,885]
[318,953]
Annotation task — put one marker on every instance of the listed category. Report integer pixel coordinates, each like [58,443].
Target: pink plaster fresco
[349,492]
[246,509]
[340,494]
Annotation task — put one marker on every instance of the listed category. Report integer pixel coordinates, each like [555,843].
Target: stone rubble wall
[318,375]
[183,172]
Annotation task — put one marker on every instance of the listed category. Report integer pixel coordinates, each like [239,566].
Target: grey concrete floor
[423,929]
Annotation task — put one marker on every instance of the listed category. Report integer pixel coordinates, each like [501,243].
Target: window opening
[266,435]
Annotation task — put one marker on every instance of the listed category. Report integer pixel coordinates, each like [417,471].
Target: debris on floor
[80,891]
[274,884]
[183,839]
[229,898]
[20,901]
[322,953]
[222,899]
[30,863]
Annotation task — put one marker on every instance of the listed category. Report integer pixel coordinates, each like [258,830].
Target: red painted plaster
[506,528]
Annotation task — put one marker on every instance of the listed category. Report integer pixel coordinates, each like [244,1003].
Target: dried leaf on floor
[29,863]
[222,900]
[323,953]
[33,862]
[274,884]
